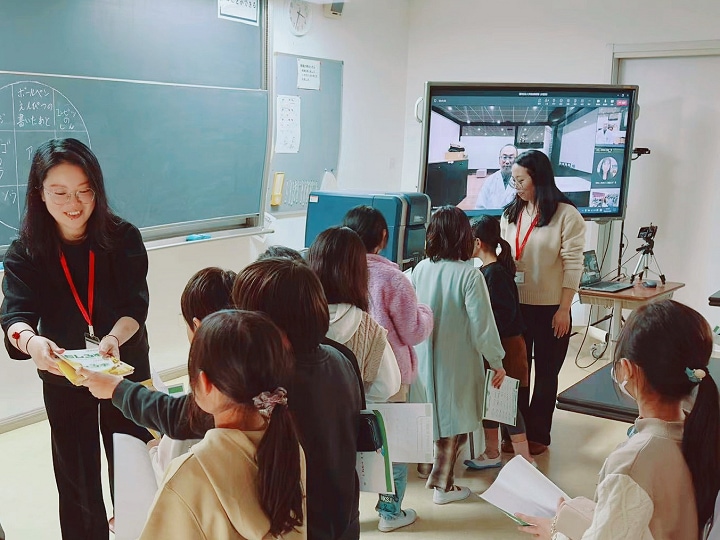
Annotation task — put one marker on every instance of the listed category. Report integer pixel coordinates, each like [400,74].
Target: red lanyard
[519,248]
[86,313]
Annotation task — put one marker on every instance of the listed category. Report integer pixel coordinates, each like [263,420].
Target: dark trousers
[75,416]
[549,354]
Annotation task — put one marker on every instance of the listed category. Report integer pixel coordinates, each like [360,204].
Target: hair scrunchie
[695,375]
[265,402]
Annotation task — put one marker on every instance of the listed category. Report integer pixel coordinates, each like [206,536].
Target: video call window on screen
[474,132]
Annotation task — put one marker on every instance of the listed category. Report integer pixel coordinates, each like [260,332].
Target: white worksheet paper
[135,486]
[374,469]
[409,427]
[288,128]
[501,403]
[521,488]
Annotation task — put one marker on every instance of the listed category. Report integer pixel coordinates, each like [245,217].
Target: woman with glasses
[547,236]
[76,278]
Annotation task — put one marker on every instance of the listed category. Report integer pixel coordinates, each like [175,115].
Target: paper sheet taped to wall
[287,140]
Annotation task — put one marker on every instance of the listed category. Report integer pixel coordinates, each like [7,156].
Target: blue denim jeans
[389,505]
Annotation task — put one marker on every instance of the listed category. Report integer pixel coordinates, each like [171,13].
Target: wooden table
[627,299]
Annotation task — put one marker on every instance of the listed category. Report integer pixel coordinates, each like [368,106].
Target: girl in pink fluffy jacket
[394,305]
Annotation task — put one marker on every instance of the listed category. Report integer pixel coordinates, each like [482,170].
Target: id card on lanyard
[91,341]
[520,247]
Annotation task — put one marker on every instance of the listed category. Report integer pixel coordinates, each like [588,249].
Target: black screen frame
[435,89]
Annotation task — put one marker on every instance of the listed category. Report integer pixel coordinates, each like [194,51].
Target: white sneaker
[408,517]
[483,462]
[457,493]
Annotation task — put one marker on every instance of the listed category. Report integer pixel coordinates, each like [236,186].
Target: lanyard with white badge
[91,341]
[520,247]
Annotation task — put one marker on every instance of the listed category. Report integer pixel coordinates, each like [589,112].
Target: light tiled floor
[28,499]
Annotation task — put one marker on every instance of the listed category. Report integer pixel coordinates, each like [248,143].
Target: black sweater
[325,399]
[37,293]
[504,299]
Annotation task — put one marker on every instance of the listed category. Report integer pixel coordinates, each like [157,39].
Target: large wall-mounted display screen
[473,133]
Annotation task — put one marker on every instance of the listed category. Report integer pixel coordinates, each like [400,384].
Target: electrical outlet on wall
[333,10]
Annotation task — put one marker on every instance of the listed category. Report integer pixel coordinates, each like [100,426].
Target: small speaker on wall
[333,10]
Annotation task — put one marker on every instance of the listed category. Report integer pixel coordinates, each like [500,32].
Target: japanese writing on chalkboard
[30,113]
[244,11]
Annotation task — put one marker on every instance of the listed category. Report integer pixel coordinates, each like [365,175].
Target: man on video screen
[497,190]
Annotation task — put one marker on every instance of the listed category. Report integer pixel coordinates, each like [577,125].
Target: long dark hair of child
[38,230]
[339,259]
[244,354]
[368,223]
[449,235]
[487,230]
[207,291]
[291,294]
[547,194]
[665,338]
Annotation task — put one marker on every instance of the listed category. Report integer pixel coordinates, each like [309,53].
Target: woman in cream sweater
[547,236]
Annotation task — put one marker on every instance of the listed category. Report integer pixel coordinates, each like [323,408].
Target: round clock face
[300,16]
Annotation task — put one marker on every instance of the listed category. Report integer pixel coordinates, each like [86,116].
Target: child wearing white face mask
[622,385]
[663,481]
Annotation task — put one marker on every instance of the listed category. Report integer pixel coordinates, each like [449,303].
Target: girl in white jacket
[338,258]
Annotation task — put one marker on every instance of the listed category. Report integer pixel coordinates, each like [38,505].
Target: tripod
[647,256]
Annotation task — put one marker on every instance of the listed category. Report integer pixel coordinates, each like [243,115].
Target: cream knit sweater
[552,258]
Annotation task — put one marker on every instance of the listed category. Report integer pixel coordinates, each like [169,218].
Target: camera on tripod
[647,254]
[647,233]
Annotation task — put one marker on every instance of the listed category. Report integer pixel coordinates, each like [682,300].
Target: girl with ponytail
[499,272]
[662,482]
[246,478]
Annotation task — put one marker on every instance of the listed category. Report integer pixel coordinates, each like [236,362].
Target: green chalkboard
[170,97]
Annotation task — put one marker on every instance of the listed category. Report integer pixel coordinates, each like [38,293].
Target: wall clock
[300,16]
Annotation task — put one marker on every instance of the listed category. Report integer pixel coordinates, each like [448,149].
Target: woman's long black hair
[547,194]
[38,230]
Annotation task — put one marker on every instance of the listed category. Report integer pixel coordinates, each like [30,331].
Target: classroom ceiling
[526,123]
[529,134]
[469,114]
